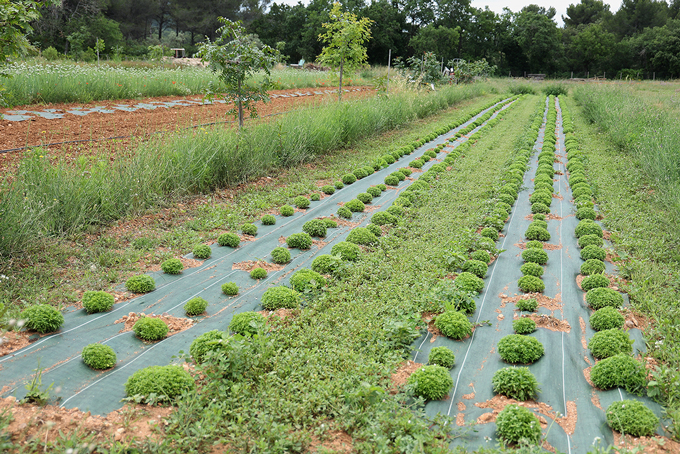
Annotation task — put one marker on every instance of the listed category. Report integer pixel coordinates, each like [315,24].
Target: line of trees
[643,36]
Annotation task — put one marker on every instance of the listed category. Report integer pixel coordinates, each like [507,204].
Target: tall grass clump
[47,199]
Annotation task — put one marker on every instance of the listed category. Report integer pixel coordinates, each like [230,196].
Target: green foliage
[330,223]
[532,269]
[230,288]
[355,206]
[539,217]
[481,256]
[305,280]
[286,210]
[202,251]
[172,266]
[258,273]
[361,235]
[140,284]
[339,185]
[34,392]
[600,297]
[315,227]
[349,178]
[344,212]
[326,263]
[99,356]
[431,382]
[280,255]
[516,424]
[416,163]
[621,371]
[516,383]
[590,240]
[588,227]
[541,197]
[539,207]
[534,255]
[206,342]
[468,282]
[364,197]
[594,281]
[374,191]
[610,342]
[391,180]
[268,219]
[540,224]
[606,318]
[476,267]
[534,244]
[346,250]
[150,329]
[382,218]
[442,356]
[593,252]
[537,233]
[280,298]
[359,173]
[159,384]
[400,176]
[490,233]
[301,202]
[299,241]
[519,349]
[374,229]
[586,213]
[195,306]
[453,324]
[247,323]
[396,211]
[592,266]
[97,301]
[328,189]
[524,325]
[632,417]
[249,229]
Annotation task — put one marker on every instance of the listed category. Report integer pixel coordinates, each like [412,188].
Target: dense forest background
[641,39]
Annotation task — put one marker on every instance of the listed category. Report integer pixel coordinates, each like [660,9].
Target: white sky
[514,5]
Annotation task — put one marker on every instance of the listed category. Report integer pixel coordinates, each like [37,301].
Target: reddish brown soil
[175,324]
[401,375]
[249,265]
[140,124]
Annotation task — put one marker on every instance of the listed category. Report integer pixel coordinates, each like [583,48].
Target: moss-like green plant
[42,318]
[519,349]
[431,382]
[524,325]
[541,197]
[632,417]
[159,383]
[416,163]
[590,240]
[344,212]
[315,227]
[280,298]
[355,205]
[600,297]
[280,255]
[359,173]
[195,306]
[539,223]
[97,301]
[539,217]
[535,232]
[391,180]
[592,266]
[588,227]
[540,208]
[453,324]
[481,256]
[258,273]
[531,269]
[142,283]
[395,211]
[301,202]
[229,239]
[534,244]
[375,230]
[305,280]
[330,223]
[286,210]
[593,252]
[150,329]
[247,323]
[326,263]
[328,189]
[349,178]
[374,191]
[346,250]
[202,251]
[586,213]
[382,218]
[230,288]
[299,241]
[594,281]
[486,244]
[490,233]
[172,266]
[516,383]
[515,423]
[475,267]
[314,197]
[249,229]
[361,235]
[610,342]
[403,201]
[442,356]
[206,342]
[606,318]
[339,185]
[531,284]
[620,371]
[99,356]
[468,282]
[535,255]
[364,197]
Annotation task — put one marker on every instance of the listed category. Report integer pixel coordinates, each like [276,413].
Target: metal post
[389,60]
[654,76]
[572,74]
[97,46]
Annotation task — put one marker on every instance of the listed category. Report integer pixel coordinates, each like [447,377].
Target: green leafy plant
[355,206]
[328,189]
[516,383]
[490,233]
[476,267]
[431,382]
[374,191]
[606,318]
[620,371]
[588,240]
[442,356]
[349,178]
[206,342]
[396,211]
[280,255]
[172,266]
[97,301]
[258,273]
[359,173]
[34,392]
[541,197]
[524,325]
[280,298]
[531,284]
[391,180]
[339,185]
[230,288]
[150,329]
[315,227]
[586,213]
[229,240]
[305,280]
[588,227]
[632,417]
[375,230]
[202,251]
[364,197]
[247,323]
[286,210]
[600,297]
[482,256]
[346,250]
[98,356]
[534,244]
[594,281]
[361,235]
[592,266]
[383,218]
[538,233]
[610,342]
[381,186]
[539,207]
[249,229]
[453,324]
[330,223]
[519,349]
[535,255]
[468,282]
[299,241]
[156,384]
[142,283]
[417,163]
[345,213]
[539,217]
[593,252]
[314,197]
[268,219]
[516,424]
[195,306]
[532,269]
[326,263]
[301,202]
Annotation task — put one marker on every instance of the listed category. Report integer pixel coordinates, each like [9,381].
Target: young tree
[234,56]
[345,37]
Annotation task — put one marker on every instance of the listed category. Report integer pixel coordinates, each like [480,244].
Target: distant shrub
[374,229]
[355,206]
[468,282]
[195,306]
[346,250]
[202,251]
[159,383]
[280,298]
[531,269]
[280,255]
[150,329]
[431,382]
[475,267]
[606,318]
[42,318]
[364,197]
[206,342]
[299,241]
[391,180]
[247,323]
[593,252]
[519,349]
[349,178]
[534,244]
[286,210]
[516,383]
[315,227]
[540,208]
[326,263]
[535,255]
[481,256]
[328,189]
[442,356]
[258,273]
[230,288]
[50,54]
[632,417]
[586,213]
[344,212]
[374,191]
[99,356]
[610,342]
[453,324]
[490,233]
[600,297]
[142,283]
[620,371]
[229,240]
[590,240]
[524,325]
[97,301]
[249,229]
[305,280]
[588,227]
[172,266]
[592,266]
[515,423]
[537,233]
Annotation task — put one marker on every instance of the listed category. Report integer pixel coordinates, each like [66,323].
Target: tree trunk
[342,60]
[240,107]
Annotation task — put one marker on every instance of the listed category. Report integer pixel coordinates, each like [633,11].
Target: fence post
[389,60]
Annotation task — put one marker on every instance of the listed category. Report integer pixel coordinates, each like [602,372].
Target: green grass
[643,221]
